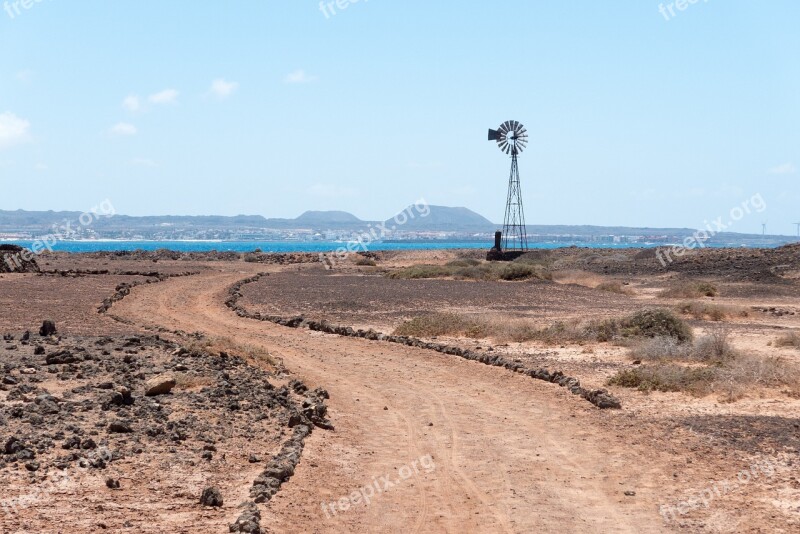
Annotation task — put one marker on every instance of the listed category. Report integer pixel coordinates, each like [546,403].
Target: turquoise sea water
[300,246]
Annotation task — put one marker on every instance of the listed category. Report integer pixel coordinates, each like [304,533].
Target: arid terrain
[573,390]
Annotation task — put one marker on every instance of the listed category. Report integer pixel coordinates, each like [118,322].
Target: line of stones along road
[599,397]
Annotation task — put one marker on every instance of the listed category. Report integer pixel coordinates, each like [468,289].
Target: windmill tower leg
[515,237]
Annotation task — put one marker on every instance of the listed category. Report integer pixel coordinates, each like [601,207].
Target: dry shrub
[713,312]
[690,290]
[474,270]
[660,348]
[421,271]
[442,324]
[733,380]
[715,347]
[614,287]
[789,340]
[665,377]
[723,369]
[463,262]
[645,323]
[490,326]
[365,262]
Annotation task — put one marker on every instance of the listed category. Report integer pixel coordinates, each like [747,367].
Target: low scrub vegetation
[710,311]
[690,290]
[789,340]
[714,347]
[365,262]
[665,377]
[709,365]
[647,323]
[474,270]
[615,287]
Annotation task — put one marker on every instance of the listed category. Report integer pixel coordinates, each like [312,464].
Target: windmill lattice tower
[512,138]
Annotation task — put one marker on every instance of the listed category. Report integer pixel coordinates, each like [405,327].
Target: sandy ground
[453,445]
[511,455]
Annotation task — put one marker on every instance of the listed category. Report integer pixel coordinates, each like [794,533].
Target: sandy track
[511,454]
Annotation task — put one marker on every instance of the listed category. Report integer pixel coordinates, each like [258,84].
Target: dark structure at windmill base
[497,254]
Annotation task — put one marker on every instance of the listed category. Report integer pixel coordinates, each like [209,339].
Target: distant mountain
[317,218]
[441,219]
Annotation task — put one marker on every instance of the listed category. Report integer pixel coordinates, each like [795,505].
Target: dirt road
[509,454]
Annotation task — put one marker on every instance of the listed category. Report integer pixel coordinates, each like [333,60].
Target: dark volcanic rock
[249,520]
[211,497]
[61,357]
[48,328]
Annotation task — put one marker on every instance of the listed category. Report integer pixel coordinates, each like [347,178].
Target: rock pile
[15,259]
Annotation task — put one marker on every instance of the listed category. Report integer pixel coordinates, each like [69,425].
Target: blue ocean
[306,246]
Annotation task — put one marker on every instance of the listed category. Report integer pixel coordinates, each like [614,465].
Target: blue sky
[273,107]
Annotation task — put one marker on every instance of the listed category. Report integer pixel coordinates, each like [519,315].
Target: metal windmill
[512,138]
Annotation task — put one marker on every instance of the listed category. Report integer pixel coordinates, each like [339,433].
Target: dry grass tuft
[615,287]
[365,262]
[474,270]
[710,365]
[789,340]
[709,311]
[690,290]
[668,377]
[714,347]
[647,323]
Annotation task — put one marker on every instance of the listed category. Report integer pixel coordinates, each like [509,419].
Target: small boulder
[61,357]
[160,385]
[211,497]
[48,329]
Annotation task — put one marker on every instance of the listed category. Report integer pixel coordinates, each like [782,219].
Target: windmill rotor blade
[507,126]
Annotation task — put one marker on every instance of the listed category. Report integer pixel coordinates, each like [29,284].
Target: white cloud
[299,76]
[786,168]
[223,89]
[132,103]
[41,167]
[167,96]
[13,130]
[123,128]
